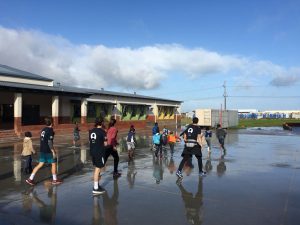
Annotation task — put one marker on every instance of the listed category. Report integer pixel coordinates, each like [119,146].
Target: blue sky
[181,50]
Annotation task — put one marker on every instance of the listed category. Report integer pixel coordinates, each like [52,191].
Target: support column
[84,111]
[155,112]
[18,113]
[177,117]
[152,113]
[118,115]
[55,110]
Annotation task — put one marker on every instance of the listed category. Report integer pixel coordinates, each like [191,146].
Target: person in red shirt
[112,133]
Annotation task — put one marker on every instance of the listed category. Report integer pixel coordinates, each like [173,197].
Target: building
[268,114]
[212,117]
[26,99]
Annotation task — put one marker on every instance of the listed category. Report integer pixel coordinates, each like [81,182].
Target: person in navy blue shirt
[98,143]
[192,138]
[47,153]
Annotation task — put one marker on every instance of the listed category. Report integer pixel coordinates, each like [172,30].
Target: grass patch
[243,123]
[185,121]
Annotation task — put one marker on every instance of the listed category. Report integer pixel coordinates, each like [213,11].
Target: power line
[261,96]
[225,94]
[200,99]
[266,85]
[191,90]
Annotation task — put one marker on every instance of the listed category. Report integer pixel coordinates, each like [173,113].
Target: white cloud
[139,68]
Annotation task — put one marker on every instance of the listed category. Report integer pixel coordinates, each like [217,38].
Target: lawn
[264,122]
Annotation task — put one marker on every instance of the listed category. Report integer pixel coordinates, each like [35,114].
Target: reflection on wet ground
[256,181]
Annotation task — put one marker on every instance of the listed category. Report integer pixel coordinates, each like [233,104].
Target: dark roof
[13,72]
[122,94]
[6,70]
[42,88]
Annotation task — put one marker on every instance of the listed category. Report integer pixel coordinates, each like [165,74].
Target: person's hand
[54,154]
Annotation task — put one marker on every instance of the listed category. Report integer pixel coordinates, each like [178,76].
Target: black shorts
[98,160]
[192,151]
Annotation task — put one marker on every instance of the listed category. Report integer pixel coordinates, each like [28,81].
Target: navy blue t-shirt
[208,133]
[97,136]
[192,131]
[47,134]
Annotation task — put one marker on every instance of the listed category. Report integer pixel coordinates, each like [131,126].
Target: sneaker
[116,174]
[30,182]
[56,182]
[99,190]
[202,174]
[179,174]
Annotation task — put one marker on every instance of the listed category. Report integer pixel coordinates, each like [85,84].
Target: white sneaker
[179,174]
[99,190]
[202,174]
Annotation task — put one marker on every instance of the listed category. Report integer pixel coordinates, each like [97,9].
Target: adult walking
[98,141]
[47,153]
[192,139]
[221,134]
[112,143]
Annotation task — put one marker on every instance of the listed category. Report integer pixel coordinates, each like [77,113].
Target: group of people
[220,134]
[103,142]
[160,140]
[192,137]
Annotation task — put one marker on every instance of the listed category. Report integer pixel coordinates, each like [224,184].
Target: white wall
[25,81]
[211,117]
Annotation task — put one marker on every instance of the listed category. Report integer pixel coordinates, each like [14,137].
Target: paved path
[256,182]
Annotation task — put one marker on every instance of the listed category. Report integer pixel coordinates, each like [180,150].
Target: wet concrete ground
[256,182]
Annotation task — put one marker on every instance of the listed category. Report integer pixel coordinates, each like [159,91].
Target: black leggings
[110,151]
[27,164]
[188,157]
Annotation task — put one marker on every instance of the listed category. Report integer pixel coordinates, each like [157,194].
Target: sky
[192,51]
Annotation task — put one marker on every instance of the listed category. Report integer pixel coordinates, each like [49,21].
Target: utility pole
[225,95]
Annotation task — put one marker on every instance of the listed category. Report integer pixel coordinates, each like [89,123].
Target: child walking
[208,135]
[76,135]
[172,140]
[157,140]
[131,142]
[27,152]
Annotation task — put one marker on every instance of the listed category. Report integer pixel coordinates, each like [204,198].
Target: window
[91,110]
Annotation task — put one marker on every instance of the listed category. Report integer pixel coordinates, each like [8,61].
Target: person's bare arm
[31,147]
[199,139]
[50,144]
